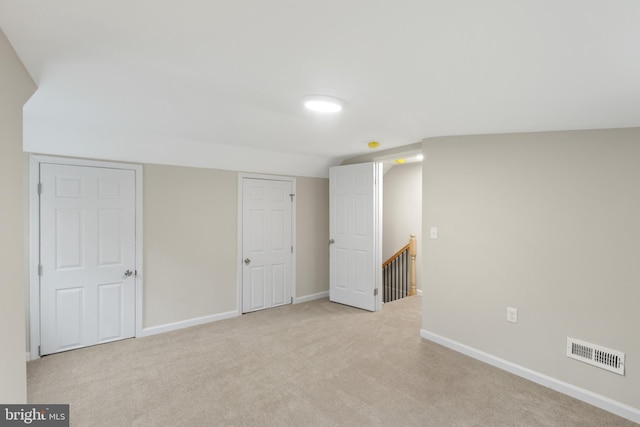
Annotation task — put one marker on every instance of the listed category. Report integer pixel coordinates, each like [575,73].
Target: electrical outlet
[512,315]
[433,232]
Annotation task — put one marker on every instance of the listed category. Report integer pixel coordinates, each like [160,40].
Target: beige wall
[402,210]
[312,235]
[15,88]
[548,223]
[191,241]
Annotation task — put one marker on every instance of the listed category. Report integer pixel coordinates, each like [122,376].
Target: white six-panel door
[266,244]
[87,254]
[353,220]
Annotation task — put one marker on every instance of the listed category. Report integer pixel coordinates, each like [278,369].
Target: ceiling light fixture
[373,145]
[419,157]
[323,103]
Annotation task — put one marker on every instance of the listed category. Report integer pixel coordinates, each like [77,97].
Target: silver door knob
[247,261]
[128,273]
[331,242]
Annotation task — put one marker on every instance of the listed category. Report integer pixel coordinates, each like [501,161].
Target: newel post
[412,253]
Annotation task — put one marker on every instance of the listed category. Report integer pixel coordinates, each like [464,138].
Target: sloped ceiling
[219,83]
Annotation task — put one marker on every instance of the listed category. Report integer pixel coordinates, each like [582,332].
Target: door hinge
[291,248]
[291,195]
[39,269]
[291,300]
[39,352]
[375,292]
[39,188]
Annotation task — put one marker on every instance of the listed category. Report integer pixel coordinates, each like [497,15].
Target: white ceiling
[215,83]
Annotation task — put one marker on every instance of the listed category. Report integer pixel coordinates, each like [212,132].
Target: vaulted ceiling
[220,83]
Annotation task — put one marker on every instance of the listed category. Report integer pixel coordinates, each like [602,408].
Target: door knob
[247,261]
[331,242]
[128,273]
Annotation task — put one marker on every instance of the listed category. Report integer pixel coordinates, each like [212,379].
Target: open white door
[354,228]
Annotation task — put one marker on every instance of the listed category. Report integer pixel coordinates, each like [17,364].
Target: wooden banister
[396,255]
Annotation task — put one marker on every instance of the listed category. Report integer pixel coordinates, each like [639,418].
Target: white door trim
[377,238]
[34,239]
[292,180]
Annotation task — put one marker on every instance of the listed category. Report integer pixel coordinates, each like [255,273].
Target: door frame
[380,161]
[34,239]
[377,238]
[292,180]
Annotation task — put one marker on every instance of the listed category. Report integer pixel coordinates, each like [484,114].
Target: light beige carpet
[311,364]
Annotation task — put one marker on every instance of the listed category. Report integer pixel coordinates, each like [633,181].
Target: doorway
[266,241]
[85,254]
[348,260]
[402,211]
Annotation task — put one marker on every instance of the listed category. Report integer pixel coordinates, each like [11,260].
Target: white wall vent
[595,355]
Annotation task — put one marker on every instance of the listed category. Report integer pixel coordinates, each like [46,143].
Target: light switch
[434,232]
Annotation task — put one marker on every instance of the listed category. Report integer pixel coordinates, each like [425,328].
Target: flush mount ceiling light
[323,103]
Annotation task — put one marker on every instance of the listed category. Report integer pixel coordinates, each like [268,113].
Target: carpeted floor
[311,364]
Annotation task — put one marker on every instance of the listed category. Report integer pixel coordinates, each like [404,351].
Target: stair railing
[399,273]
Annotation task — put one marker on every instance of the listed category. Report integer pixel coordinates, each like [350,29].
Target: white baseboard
[584,395]
[419,292]
[187,323]
[311,297]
